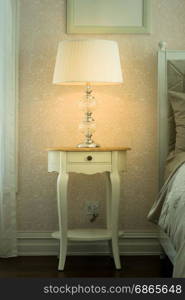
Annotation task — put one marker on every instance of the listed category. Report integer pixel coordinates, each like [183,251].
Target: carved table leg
[62,184]
[108,207]
[115,182]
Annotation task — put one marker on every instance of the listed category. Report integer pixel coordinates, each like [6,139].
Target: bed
[168,211]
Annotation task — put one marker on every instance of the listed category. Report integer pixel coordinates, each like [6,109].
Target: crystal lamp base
[84,145]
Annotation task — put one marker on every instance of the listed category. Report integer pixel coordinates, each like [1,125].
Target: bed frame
[164,56]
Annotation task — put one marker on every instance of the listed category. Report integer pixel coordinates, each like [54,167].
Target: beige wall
[126,116]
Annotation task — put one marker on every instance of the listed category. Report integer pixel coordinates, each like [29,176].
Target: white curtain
[8,107]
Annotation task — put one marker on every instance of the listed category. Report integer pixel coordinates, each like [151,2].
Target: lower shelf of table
[87,234]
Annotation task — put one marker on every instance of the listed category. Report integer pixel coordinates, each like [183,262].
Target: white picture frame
[108,16]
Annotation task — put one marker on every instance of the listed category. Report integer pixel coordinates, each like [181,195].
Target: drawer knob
[89,157]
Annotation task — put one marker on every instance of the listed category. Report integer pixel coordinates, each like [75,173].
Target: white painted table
[88,161]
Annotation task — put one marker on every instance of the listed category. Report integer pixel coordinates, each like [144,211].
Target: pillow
[177,101]
[172,130]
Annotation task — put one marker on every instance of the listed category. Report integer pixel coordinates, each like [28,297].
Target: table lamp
[87,62]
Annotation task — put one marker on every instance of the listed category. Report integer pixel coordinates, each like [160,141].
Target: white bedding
[172,218]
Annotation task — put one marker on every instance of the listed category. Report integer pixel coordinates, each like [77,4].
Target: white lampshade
[87,61]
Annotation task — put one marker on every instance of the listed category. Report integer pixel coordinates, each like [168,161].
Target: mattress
[172,218]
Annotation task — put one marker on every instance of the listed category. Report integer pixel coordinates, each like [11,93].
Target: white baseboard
[133,243]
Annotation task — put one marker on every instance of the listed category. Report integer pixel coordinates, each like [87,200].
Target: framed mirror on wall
[108,16]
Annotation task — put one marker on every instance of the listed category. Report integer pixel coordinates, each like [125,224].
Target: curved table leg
[108,201]
[108,207]
[115,182]
[62,184]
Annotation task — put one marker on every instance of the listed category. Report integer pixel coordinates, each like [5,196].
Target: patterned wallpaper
[126,116]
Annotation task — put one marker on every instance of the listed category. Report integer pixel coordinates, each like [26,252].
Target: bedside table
[88,161]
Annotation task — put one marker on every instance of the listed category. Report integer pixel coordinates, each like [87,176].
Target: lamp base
[84,145]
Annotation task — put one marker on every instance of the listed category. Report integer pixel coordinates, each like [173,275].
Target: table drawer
[84,157]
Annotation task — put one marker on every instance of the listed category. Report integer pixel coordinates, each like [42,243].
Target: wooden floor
[84,266]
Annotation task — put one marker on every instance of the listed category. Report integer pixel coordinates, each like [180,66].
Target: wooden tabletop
[98,149]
